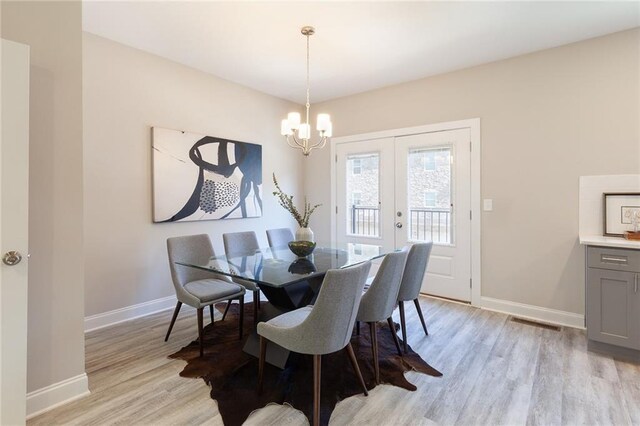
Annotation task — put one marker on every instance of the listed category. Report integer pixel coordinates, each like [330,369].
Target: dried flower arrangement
[286,201]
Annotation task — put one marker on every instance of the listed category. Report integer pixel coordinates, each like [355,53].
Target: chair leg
[200,327]
[211,312]
[356,367]
[241,319]
[424,326]
[317,362]
[226,310]
[173,320]
[374,348]
[403,324]
[256,305]
[392,327]
[263,354]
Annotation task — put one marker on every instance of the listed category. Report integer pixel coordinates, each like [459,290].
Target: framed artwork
[197,177]
[621,212]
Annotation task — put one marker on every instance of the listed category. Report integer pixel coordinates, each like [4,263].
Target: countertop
[599,240]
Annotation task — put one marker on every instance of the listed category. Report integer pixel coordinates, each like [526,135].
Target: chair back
[240,243]
[381,298]
[190,248]
[417,262]
[279,237]
[330,322]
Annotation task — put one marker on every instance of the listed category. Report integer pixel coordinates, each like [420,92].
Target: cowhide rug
[233,374]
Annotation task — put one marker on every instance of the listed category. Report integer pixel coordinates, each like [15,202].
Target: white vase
[304,234]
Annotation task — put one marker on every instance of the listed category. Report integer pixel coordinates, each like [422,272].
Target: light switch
[488,205]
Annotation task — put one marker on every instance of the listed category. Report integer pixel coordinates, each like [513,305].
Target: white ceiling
[358,46]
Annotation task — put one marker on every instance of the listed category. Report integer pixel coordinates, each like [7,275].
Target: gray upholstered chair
[279,237]
[412,281]
[239,244]
[380,299]
[196,287]
[323,328]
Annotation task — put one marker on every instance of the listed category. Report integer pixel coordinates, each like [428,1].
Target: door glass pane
[363,185]
[429,194]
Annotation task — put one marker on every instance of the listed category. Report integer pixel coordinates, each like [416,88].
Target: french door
[401,190]
[365,194]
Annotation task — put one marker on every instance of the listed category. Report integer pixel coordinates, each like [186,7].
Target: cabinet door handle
[635,284]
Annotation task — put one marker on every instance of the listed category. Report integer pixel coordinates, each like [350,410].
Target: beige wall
[56,270]
[126,92]
[547,118]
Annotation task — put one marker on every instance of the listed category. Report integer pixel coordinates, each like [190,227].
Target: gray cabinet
[613,296]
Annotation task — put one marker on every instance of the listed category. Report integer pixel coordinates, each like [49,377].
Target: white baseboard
[116,316]
[552,316]
[57,394]
[106,319]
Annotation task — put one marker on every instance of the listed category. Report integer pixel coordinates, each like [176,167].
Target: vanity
[612,272]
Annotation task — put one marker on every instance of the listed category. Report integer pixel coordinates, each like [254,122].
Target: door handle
[11,258]
[398,225]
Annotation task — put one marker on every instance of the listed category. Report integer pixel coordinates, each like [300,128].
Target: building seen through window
[356,166]
[430,198]
[429,160]
[362,194]
[428,194]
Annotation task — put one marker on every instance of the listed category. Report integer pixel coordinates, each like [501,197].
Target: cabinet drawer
[613,258]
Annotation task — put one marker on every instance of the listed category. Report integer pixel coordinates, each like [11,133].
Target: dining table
[287,281]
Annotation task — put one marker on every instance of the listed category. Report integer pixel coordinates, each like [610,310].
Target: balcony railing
[430,224]
[426,224]
[365,220]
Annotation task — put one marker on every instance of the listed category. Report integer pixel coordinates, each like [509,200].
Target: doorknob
[398,225]
[11,258]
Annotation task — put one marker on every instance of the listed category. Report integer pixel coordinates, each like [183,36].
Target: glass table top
[279,267]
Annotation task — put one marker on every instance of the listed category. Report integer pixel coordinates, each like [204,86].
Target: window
[362,190]
[429,194]
[430,198]
[356,166]
[356,198]
[429,160]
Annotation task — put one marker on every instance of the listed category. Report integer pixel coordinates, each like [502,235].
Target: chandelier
[292,122]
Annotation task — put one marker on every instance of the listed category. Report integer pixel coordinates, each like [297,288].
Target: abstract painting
[197,177]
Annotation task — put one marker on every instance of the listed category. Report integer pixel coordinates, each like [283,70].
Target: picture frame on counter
[621,210]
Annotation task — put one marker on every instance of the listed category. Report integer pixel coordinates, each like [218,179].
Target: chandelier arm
[301,144]
[321,143]
[324,142]
[296,144]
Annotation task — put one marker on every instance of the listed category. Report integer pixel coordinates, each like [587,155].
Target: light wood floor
[496,371]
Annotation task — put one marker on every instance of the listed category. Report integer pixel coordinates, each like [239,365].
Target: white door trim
[473,125]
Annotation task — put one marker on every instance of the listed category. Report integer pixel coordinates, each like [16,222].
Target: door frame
[473,124]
